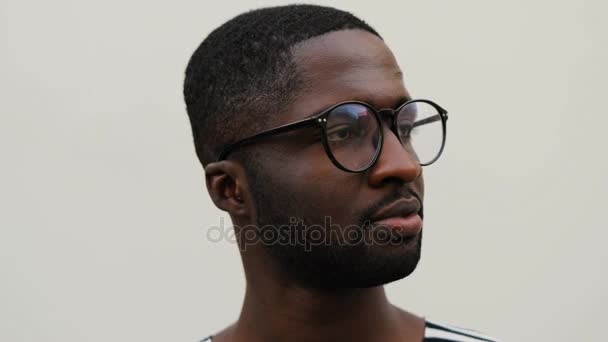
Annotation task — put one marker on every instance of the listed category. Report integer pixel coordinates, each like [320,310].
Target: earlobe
[225,184]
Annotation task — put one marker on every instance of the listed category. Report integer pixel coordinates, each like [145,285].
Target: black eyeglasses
[353,134]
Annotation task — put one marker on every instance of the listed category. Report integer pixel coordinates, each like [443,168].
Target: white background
[104,211]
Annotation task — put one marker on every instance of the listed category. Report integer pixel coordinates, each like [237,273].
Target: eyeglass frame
[320,120]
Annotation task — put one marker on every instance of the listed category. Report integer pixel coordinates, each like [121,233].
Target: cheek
[328,189]
[307,177]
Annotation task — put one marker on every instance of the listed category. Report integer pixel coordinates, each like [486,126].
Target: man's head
[320,226]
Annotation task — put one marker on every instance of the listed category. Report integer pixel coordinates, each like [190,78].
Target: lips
[402,216]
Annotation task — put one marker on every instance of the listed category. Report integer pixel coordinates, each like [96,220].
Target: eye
[341,132]
[404,129]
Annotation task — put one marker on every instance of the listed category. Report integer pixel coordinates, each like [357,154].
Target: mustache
[399,193]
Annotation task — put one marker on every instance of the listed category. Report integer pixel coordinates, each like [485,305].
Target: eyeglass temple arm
[270,132]
[429,120]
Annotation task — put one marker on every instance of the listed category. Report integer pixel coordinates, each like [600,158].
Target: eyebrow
[375,104]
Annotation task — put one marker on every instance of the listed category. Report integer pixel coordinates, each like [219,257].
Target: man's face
[297,182]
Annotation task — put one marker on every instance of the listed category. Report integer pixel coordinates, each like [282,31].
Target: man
[311,142]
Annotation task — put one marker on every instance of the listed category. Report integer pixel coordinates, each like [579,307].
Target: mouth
[403,218]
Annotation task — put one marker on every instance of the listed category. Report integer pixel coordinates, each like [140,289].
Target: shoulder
[438,332]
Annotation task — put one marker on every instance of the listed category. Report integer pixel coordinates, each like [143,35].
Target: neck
[272,313]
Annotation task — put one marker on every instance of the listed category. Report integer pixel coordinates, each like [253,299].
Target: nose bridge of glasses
[391,114]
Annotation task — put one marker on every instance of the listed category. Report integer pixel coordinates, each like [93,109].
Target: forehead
[346,65]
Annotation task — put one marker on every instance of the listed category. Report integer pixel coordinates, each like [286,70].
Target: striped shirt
[438,332]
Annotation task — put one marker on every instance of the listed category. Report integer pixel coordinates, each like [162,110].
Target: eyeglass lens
[353,133]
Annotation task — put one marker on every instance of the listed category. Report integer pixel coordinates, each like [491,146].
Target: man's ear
[227,186]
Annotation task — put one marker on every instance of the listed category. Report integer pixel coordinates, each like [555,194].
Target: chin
[359,267]
[391,263]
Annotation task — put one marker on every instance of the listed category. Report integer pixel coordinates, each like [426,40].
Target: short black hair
[243,72]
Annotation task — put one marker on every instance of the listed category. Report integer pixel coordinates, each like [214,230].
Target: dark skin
[339,66]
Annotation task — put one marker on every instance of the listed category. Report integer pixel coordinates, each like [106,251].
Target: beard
[319,255]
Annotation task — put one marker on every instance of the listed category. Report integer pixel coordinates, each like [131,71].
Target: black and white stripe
[439,332]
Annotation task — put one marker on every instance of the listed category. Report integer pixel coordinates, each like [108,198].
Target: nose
[394,162]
